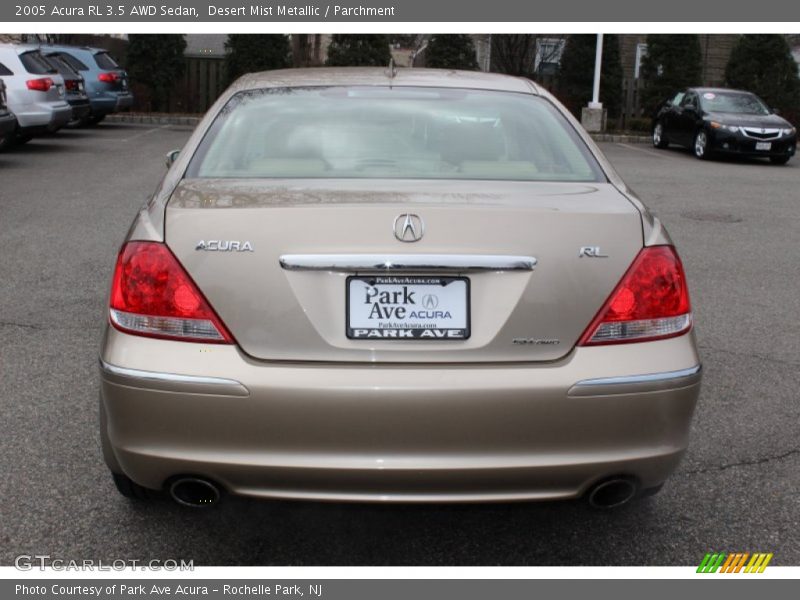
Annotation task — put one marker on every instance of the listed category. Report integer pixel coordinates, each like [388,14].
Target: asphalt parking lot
[65,205]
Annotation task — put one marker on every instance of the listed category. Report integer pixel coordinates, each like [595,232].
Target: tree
[576,73]
[514,54]
[249,53]
[672,62]
[156,62]
[763,64]
[348,50]
[451,51]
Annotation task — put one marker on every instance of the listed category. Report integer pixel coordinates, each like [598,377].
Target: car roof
[321,76]
[718,90]
[91,49]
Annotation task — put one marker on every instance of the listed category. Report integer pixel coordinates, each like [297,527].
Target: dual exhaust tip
[196,492]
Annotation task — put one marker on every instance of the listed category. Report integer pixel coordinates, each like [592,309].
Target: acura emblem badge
[409,227]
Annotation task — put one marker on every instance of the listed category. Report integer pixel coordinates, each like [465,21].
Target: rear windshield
[104,61]
[36,64]
[733,102]
[71,61]
[63,68]
[401,132]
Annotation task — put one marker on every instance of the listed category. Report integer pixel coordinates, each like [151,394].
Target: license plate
[763,145]
[416,307]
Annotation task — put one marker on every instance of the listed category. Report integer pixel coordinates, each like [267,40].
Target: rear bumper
[396,433]
[44,117]
[102,105]
[8,123]
[124,101]
[80,107]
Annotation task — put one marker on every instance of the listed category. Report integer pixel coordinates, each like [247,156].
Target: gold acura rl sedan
[411,285]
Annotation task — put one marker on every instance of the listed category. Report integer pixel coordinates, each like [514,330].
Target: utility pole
[598,63]
[593,116]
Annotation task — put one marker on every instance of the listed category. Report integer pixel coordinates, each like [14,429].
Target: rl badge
[408,308]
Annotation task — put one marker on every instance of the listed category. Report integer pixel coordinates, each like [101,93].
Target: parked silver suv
[35,91]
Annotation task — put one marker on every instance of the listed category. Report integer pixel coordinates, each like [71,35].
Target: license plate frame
[419,282]
[763,146]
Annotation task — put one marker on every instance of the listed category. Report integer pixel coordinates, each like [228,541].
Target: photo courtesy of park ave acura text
[398,299]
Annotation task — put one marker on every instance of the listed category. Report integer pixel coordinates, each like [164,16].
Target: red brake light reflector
[108,77]
[153,295]
[651,301]
[42,84]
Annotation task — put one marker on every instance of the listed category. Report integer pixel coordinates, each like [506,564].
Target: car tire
[659,138]
[700,145]
[6,142]
[22,139]
[779,160]
[95,119]
[129,488]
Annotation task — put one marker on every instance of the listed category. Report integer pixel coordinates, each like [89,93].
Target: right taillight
[152,295]
[650,302]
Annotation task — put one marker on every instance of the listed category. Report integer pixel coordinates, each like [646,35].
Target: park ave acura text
[372,284]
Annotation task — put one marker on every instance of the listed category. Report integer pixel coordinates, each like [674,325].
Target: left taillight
[42,84]
[108,77]
[152,295]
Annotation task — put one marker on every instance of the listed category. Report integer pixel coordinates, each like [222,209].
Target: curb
[193,121]
[152,119]
[621,138]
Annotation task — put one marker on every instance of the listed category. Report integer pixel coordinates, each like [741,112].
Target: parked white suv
[35,92]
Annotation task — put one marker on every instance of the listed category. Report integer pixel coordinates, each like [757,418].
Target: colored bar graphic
[734,562]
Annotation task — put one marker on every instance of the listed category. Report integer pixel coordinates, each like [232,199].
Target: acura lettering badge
[409,227]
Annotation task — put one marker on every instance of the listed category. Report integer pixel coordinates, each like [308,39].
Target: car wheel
[22,139]
[95,119]
[129,488]
[700,146]
[779,160]
[6,142]
[659,138]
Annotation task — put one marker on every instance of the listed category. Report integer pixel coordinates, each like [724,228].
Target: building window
[548,55]
[641,52]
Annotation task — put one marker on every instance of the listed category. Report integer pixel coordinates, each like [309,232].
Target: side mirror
[172,156]
[776,111]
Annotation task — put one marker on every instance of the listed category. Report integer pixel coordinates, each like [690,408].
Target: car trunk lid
[230,235]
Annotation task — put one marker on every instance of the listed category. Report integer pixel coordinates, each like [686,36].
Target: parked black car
[75,90]
[8,122]
[724,121]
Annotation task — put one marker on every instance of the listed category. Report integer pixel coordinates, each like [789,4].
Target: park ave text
[244,10]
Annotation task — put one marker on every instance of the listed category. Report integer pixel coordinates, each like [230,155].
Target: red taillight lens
[41,84]
[71,84]
[650,302]
[108,77]
[152,295]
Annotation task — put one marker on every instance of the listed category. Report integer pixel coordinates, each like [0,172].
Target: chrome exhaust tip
[613,492]
[194,492]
